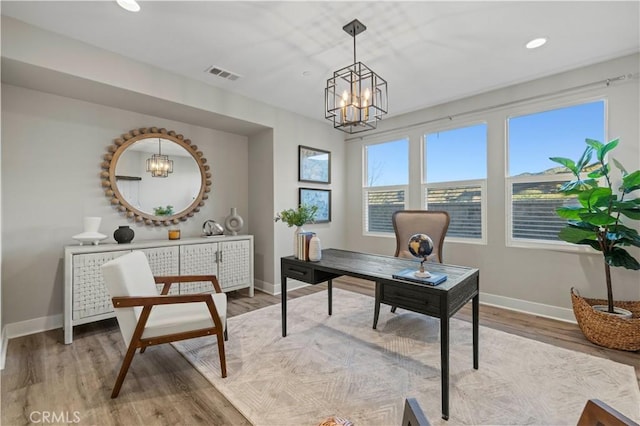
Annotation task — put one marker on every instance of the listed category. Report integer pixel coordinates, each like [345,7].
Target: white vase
[92,223]
[298,230]
[233,222]
[315,249]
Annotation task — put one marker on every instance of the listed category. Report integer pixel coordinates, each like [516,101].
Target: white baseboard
[3,349]
[32,326]
[533,308]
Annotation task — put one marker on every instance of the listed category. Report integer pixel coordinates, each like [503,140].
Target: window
[533,180]
[385,184]
[455,178]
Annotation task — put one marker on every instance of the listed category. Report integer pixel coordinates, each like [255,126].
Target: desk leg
[476,324]
[283,282]
[444,363]
[376,309]
[330,294]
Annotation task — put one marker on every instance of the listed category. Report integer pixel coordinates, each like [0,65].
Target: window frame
[509,181]
[424,185]
[367,189]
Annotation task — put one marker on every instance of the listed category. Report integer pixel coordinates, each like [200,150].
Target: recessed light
[130,5]
[536,42]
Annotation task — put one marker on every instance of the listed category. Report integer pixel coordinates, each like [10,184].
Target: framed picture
[314,165]
[320,198]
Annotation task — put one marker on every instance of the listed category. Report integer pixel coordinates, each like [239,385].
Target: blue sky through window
[388,163]
[533,138]
[457,154]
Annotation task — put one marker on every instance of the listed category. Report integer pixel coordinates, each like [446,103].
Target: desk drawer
[409,297]
[306,273]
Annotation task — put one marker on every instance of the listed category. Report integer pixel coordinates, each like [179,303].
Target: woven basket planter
[604,329]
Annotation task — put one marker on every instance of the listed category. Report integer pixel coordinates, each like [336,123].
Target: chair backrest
[129,275]
[596,412]
[409,222]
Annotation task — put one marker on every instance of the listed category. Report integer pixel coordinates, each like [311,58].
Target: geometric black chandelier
[159,165]
[355,97]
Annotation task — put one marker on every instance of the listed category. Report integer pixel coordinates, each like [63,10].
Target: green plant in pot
[300,216]
[602,217]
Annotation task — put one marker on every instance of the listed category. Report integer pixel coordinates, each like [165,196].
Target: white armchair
[147,318]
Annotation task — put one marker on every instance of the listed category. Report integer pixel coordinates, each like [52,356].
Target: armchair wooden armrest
[171,279]
[130,301]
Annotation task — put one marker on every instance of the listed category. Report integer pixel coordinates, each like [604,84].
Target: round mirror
[155,176]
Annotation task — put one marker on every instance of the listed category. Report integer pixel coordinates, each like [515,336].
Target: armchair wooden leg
[393,309]
[226,336]
[223,359]
[142,349]
[123,370]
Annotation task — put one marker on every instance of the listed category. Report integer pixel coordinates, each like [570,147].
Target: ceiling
[429,52]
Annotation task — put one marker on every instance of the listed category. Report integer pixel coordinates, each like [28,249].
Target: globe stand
[421,273]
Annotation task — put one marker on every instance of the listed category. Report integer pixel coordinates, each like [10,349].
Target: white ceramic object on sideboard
[90,234]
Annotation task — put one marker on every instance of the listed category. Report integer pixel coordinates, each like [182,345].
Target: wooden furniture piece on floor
[146,318]
[410,222]
[598,413]
[413,414]
[442,301]
[229,258]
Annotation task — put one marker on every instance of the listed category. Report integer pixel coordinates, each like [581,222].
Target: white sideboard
[86,300]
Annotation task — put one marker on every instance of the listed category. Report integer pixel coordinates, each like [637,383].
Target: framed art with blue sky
[314,165]
[320,198]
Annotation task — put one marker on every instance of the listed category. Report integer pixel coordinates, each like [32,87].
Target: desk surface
[379,267]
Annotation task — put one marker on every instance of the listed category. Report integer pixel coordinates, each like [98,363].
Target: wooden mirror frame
[108,176]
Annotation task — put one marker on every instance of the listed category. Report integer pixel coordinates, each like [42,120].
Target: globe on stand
[421,246]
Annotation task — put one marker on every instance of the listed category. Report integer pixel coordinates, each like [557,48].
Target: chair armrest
[130,301]
[169,280]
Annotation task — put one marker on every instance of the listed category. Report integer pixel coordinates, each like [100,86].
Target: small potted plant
[600,221]
[305,213]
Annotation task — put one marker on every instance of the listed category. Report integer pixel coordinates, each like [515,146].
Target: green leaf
[600,172]
[631,182]
[584,159]
[572,213]
[575,235]
[620,257]
[596,145]
[620,167]
[602,152]
[595,197]
[599,218]
[568,163]
[578,186]
[630,208]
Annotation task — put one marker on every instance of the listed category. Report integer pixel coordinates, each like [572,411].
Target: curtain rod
[607,82]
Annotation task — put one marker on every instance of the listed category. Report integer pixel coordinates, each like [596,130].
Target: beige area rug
[340,366]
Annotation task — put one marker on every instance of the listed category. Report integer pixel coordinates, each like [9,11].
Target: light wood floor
[42,375]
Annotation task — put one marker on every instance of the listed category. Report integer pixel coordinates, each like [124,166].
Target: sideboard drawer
[405,296]
[307,274]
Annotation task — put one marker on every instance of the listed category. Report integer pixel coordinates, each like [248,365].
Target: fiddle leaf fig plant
[598,219]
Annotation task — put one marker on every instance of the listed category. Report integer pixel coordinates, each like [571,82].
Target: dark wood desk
[440,301]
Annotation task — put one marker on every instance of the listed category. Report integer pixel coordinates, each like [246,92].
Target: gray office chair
[406,223]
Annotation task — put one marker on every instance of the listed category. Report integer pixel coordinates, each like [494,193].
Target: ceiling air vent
[222,73]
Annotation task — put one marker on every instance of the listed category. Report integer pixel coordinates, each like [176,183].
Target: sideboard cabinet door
[234,264]
[164,261]
[90,296]
[198,259]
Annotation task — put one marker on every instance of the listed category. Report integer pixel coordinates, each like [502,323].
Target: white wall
[534,276]
[52,148]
